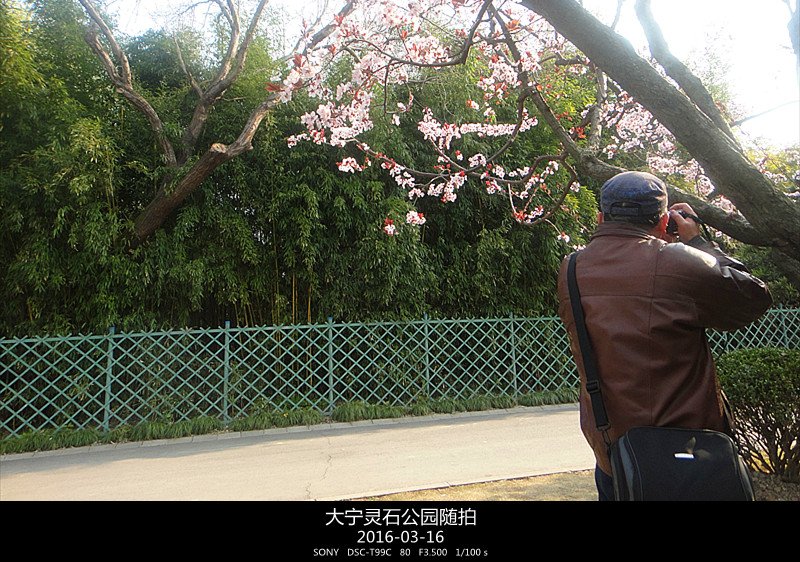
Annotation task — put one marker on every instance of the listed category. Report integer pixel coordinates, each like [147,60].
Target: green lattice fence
[115,379]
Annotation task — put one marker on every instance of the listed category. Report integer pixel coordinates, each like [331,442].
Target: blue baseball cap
[632,195]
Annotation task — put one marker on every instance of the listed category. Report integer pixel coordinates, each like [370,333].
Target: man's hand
[687,228]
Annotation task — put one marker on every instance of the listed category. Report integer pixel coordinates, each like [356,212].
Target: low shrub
[502,402]
[383,411]
[447,406]
[763,388]
[352,411]
[77,438]
[119,434]
[291,418]
[49,440]
[478,403]
[178,429]
[421,408]
[261,418]
[29,441]
[549,397]
[149,430]
[204,425]
[359,410]
[251,423]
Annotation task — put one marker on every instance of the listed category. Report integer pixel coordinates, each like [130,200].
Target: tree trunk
[171,196]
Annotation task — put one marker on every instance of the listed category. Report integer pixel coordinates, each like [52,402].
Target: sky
[753,42]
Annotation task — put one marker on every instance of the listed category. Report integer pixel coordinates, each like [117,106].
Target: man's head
[636,197]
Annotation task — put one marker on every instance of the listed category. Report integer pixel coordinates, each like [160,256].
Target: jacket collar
[623,229]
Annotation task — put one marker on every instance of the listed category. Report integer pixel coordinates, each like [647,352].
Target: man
[647,300]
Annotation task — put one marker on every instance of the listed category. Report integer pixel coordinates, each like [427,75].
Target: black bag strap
[589,365]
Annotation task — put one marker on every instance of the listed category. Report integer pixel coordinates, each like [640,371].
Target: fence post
[784,328]
[109,374]
[330,364]
[513,357]
[226,373]
[426,331]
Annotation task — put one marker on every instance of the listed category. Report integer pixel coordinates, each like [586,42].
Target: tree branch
[229,70]
[166,201]
[123,81]
[195,86]
[734,225]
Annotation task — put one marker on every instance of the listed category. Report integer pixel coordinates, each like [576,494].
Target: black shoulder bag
[661,463]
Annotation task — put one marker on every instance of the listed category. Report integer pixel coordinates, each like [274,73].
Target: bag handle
[589,365]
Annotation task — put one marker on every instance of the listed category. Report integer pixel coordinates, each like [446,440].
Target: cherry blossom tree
[654,106]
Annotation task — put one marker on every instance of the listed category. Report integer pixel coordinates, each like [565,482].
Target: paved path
[324,462]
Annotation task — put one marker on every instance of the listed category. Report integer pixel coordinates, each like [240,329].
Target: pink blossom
[477,161]
[349,164]
[415,218]
[382,41]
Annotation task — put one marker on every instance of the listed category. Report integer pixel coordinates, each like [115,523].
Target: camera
[672,226]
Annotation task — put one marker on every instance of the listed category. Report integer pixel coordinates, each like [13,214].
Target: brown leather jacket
[647,305]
